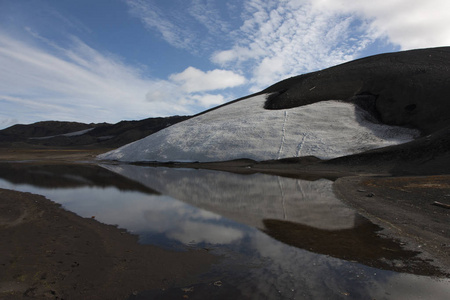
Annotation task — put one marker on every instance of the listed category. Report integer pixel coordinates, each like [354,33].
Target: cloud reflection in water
[257,261]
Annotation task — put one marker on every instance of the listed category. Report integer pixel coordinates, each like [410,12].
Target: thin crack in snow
[283,134]
[300,145]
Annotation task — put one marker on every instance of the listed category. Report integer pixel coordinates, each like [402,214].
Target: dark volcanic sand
[47,252]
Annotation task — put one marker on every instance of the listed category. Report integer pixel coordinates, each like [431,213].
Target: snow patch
[244,129]
[70,134]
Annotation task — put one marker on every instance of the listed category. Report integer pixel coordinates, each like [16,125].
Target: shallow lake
[278,237]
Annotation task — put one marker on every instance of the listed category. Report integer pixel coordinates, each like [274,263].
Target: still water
[278,238]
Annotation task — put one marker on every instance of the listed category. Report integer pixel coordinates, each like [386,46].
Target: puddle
[278,238]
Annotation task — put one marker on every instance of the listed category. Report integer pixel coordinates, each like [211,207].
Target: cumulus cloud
[195,80]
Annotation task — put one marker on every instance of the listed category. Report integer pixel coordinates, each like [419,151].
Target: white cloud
[281,39]
[195,80]
[278,39]
[155,19]
[76,79]
[190,25]
[408,23]
[207,14]
[81,84]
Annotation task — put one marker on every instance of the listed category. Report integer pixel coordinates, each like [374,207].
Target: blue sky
[112,60]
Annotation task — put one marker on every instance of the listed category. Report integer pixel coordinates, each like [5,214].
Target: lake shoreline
[403,206]
[46,251]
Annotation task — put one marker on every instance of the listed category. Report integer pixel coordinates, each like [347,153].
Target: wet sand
[48,252]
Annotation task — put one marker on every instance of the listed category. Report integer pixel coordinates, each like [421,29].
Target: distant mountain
[56,134]
[383,101]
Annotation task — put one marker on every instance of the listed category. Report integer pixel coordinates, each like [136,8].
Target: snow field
[244,129]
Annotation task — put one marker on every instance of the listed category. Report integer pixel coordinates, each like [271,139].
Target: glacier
[245,129]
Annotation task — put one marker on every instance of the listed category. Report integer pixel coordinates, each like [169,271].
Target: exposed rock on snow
[245,129]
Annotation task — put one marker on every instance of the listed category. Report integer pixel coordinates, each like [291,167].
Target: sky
[112,60]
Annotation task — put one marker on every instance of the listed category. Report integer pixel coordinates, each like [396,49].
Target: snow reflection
[248,199]
[279,238]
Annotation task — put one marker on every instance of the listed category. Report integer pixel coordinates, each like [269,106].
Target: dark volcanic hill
[56,134]
[409,88]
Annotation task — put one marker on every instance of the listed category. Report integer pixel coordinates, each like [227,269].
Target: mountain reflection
[300,213]
[361,243]
[206,208]
[67,176]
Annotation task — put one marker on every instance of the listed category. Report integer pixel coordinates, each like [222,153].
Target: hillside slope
[385,100]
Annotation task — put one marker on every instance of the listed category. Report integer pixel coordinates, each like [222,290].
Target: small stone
[188,289]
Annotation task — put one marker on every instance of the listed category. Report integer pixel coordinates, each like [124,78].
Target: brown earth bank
[47,252]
